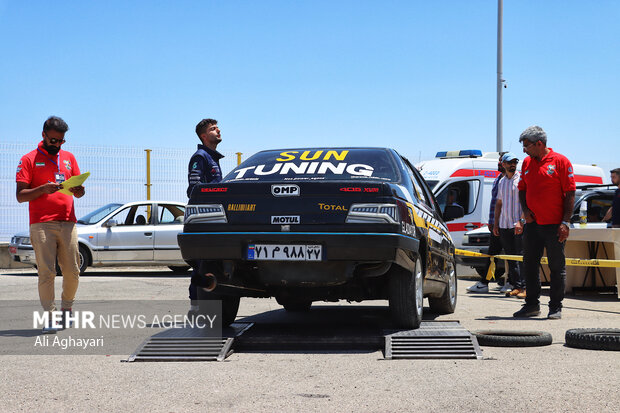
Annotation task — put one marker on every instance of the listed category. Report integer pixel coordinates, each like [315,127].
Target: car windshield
[98,214]
[316,164]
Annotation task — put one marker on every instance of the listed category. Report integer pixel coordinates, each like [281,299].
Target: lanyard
[51,160]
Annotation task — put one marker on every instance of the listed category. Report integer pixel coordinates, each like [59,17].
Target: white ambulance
[468,175]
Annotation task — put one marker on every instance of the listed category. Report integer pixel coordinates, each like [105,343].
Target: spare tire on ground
[594,338]
[513,338]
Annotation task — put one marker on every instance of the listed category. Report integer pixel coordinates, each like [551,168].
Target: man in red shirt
[53,235]
[547,197]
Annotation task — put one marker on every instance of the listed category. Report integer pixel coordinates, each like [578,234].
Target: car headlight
[205,214]
[372,213]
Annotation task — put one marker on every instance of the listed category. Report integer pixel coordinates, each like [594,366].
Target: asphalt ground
[553,378]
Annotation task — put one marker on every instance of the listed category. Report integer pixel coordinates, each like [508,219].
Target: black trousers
[513,245]
[535,239]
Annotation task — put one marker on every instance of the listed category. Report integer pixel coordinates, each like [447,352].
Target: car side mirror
[179,219]
[452,212]
[110,223]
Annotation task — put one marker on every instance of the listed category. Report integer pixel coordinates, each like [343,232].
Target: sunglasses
[527,145]
[54,141]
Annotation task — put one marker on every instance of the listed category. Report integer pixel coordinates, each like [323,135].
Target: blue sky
[418,76]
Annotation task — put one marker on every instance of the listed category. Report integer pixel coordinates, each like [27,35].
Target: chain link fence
[117,174]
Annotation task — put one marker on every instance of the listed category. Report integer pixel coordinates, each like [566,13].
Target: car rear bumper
[336,246]
[23,255]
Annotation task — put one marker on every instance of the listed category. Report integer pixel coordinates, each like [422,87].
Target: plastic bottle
[583,214]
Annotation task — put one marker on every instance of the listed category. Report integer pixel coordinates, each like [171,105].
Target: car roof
[327,147]
[150,202]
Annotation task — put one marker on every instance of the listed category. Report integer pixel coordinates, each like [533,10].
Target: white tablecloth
[576,247]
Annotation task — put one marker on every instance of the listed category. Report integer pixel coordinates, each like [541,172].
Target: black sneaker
[527,311]
[555,314]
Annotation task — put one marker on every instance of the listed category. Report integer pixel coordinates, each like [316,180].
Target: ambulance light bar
[467,153]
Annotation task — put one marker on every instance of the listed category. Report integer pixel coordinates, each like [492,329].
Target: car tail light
[367,213]
[205,214]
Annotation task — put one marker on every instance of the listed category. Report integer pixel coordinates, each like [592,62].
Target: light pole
[148,174]
[500,81]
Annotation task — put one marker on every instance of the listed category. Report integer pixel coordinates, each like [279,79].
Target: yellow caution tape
[491,272]
[575,262]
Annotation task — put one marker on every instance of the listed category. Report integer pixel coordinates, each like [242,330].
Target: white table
[582,243]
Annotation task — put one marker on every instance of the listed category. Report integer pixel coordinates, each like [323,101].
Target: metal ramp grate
[433,340]
[187,344]
[183,349]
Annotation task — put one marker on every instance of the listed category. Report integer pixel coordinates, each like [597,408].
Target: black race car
[305,225]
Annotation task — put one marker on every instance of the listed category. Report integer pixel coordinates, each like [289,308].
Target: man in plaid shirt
[508,222]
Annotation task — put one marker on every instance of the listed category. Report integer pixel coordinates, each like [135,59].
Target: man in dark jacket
[204,167]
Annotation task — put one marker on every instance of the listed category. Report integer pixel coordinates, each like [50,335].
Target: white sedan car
[136,233]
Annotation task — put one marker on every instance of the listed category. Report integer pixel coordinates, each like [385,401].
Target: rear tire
[406,295]
[446,304]
[230,305]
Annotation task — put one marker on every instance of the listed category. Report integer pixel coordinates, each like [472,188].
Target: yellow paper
[76,180]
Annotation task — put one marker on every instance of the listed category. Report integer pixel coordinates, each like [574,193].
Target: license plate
[285,252]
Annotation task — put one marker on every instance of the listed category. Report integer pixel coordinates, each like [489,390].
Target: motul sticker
[285,219]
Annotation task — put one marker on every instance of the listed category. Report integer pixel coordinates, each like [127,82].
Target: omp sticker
[285,190]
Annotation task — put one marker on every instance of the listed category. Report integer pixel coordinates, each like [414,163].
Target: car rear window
[316,164]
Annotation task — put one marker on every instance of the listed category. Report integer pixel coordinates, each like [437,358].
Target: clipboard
[76,180]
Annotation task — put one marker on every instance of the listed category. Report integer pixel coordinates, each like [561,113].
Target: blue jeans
[513,245]
[535,239]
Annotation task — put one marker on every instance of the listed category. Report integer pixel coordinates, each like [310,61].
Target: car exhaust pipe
[209,282]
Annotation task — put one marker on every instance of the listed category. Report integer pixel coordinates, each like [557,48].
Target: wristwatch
[566,223]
